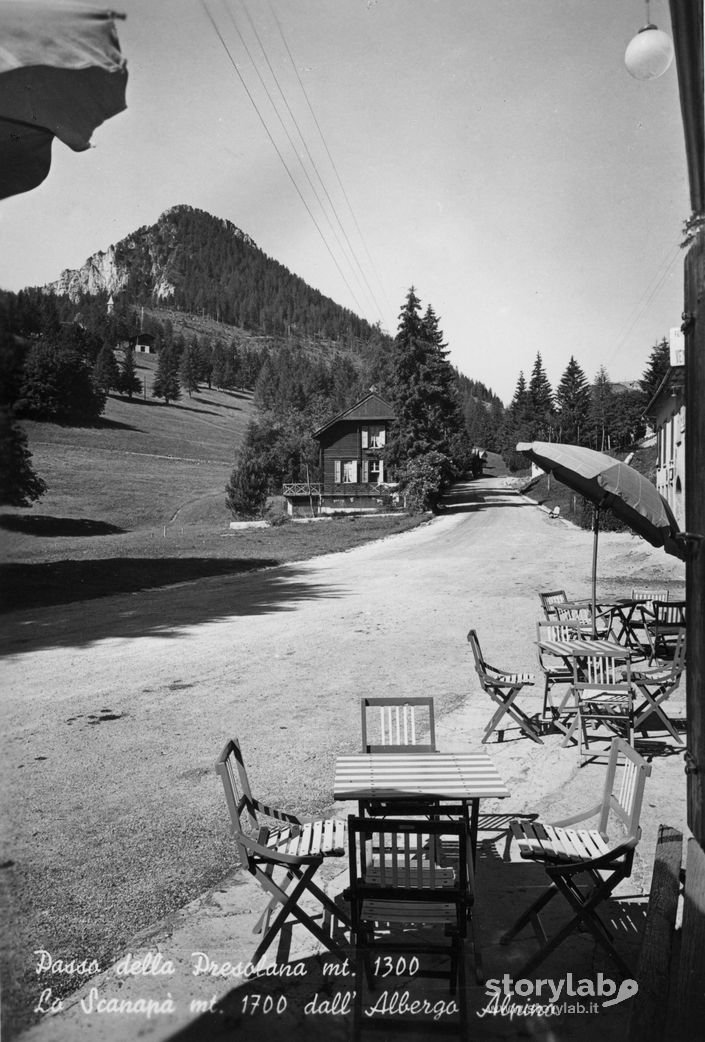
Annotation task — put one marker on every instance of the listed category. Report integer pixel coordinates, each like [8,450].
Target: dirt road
[115,710]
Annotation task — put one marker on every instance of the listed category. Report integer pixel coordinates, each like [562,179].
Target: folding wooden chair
[503,688]
[410,892]
[604,696]
[656,684]
[282,853]
[633,633]
[548,601]
[392,725]
[663,628]
[585,865]
[555,670]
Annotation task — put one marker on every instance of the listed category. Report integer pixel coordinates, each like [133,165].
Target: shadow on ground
[48,527]
[237,587]
[316,1001]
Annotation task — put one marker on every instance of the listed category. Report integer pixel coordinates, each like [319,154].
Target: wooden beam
[686,1010]
[687,28]
[648,1016]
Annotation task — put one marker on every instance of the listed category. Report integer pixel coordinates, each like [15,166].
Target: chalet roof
[370,408]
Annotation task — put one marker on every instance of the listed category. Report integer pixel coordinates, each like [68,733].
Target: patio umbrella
[610,485]
[61,75]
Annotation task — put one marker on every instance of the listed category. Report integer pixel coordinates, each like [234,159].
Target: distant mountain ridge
[206,265]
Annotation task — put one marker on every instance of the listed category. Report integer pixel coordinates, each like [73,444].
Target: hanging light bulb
[650,53]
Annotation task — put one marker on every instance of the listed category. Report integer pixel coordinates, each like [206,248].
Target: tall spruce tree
[573,403]
[540,401]
[106,373]
[189,367]
[517,426]
[656,368]
[601,407]
[129,382]
[424,389]
[166,379]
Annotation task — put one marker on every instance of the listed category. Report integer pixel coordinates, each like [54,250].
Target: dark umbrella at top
[61,75]
[611,485]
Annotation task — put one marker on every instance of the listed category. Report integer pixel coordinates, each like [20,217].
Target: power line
[311,159]
[332,163]
[647,297]
[277,150]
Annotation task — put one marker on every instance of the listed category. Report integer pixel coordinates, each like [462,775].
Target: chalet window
[373,437]
[345,471]
[372,471]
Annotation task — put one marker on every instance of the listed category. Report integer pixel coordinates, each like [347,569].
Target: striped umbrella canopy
[612,485]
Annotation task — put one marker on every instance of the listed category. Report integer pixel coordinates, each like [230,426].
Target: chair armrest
[276,857]
[280,815]
[592,812]
[522,678]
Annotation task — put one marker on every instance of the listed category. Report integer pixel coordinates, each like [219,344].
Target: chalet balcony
[302,488]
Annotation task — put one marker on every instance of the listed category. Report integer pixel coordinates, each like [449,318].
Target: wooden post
[687,26]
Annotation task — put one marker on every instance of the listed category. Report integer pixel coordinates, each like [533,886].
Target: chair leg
[289,903]
[531,913]
[585,911]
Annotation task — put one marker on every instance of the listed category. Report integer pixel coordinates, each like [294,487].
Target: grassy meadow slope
[139,501]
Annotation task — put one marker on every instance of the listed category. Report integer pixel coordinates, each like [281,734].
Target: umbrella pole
[595,532]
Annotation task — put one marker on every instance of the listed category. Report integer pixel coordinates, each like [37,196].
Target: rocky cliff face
[153,257]
[100,273]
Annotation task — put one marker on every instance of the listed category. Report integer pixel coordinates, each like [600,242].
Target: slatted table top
[583,646]
[447,776]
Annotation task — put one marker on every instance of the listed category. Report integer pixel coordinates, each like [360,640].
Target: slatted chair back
[663,629]
[623,793]
[404,859]
[603,689]
[398,725]
[648,596]
[556,629]
[669,613]
[238,796]
[549,598]
[603,671]
[480,664]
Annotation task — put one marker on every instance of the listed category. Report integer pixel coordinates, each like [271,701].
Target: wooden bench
[670,1004]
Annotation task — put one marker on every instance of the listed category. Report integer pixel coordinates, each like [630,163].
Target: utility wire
[277,150]
[284,127]
[646,298]
[313,164]
[333,165]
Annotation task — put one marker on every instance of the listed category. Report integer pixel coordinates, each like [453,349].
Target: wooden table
[628,613]
[448,782]
[582,646]
[568,650]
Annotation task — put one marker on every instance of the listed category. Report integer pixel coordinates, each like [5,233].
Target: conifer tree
[129,382]
[573,403]
[19,484]
[189,368]
[601,406]
[657,366]
[166,379]
[106,373]
[540,401]
[424,392]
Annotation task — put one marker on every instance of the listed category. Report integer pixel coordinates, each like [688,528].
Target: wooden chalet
[352,464]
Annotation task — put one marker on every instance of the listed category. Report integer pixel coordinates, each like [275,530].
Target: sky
[494,154]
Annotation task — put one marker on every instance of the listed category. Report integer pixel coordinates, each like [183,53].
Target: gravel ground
[114,710]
